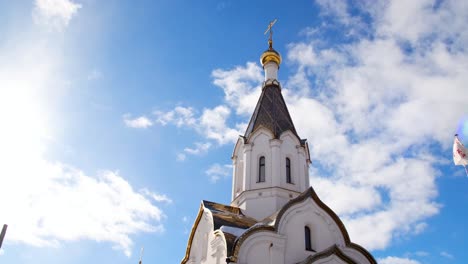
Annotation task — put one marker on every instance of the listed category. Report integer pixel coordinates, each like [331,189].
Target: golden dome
[270,55]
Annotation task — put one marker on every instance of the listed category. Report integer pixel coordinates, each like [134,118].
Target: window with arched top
[288,170]
[261,169]
[308,242]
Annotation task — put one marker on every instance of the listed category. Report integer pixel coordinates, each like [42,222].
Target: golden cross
[270,28]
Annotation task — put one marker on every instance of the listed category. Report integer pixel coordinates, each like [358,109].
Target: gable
[330,240]
[308,208]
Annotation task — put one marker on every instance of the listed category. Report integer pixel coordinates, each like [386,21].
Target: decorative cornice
[333,250]
[363,251]
[260,189]
[270,82]
[244,236]
[312,194]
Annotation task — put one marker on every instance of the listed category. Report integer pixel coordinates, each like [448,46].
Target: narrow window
[288,170]
[261,169]
[308,243]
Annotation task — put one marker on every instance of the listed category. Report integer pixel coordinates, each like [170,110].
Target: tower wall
[271,71]
[260,199]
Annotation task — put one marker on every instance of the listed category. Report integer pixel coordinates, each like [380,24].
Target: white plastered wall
[287,244]
[262,247]
[261,199]
[207,247]
[291,148]
[324,230]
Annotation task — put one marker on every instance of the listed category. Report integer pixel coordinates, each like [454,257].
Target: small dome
[270,55]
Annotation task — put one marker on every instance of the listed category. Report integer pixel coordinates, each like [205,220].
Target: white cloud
[420,227]
[241,86]
[2,252]
[378,108]
[337,9]
[46,202]
[181,157]
[218,171]
[157,197]
[396,260]
[61,203]
[138,122]
[200,148]
[365,198]
[211,124]
[180,116]
[185,219]
[446,255]
[55,14]
[214,125]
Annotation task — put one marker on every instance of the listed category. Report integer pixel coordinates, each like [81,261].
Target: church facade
[275,217]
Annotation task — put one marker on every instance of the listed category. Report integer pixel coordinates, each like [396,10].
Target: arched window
[308,242]
[288,170]
[261,169]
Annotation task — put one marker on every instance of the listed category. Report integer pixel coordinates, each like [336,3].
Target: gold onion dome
[270,55]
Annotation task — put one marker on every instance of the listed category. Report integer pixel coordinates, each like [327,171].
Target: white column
[271,71]
[234,177]
[247,166]
[275,162]
[300,169]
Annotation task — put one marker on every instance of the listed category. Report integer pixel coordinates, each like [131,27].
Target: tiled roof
[231,217]
[271,112]
[225,215]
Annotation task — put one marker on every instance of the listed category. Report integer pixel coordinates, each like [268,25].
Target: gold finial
[270,28]
[270,55]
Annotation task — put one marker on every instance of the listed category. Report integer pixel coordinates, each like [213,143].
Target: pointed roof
[272,113]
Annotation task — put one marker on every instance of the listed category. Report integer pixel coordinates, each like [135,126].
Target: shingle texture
[271,113]
[225,215]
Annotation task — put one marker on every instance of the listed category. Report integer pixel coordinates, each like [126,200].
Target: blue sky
[119,117]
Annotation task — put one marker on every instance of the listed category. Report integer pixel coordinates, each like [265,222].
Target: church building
[275,217]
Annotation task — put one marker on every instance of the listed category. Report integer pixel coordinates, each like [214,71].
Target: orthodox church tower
[271,162]
[275,217]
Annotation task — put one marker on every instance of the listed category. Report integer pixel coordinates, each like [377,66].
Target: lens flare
[462,129]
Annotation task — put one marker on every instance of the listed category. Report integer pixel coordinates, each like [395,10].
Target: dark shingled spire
[271,113]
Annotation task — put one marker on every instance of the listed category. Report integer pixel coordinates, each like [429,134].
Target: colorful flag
[460,154]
